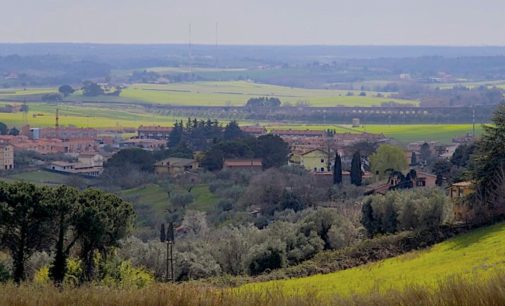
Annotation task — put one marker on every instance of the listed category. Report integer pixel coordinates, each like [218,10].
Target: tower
[190,55]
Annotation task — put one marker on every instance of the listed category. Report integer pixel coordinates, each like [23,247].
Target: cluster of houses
[313,150]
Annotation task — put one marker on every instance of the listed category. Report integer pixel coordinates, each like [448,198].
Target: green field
[108,114]
[238,92]
[404,133]
[85,115]
[157,197]
[221,94]
[480,254]
[39,177]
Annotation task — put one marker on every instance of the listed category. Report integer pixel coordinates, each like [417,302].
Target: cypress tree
[163,233]
[337,170]
[356,175]
[413,159]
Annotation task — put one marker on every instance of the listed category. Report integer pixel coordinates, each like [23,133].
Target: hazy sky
[329,22]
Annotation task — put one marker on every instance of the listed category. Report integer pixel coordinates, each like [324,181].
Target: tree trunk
[59,266]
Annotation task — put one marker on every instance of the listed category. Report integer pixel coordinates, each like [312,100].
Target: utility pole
[170,253]
[168,238]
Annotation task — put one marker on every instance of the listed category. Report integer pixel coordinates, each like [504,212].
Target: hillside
[476,254]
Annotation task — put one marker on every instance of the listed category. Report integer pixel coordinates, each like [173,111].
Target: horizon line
[245,45]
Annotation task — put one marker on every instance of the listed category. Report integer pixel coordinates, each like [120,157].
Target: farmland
[237,93]
[131,113]
[404,133]
[95,115]
[478,254]
[234,93]
[110,116]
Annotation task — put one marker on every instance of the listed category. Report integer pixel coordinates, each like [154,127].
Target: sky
[251,22]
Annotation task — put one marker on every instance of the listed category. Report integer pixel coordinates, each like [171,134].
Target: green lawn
[477,254]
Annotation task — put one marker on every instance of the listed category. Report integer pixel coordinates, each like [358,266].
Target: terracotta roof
[424,174]
[463,184]
[157,128]
[298,132]
[313,150]
[174,161]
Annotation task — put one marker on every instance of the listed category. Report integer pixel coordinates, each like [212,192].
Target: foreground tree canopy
[34,218]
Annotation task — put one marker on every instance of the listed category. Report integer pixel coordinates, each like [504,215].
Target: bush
[405,210]
[5,273]
[121,273]
[266,259]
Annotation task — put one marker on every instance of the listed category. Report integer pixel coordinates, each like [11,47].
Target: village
[85,150]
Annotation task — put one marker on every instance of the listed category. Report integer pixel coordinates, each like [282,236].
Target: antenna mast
[190,53]
[217,40]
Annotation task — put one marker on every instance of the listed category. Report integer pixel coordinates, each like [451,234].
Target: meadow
[477,255]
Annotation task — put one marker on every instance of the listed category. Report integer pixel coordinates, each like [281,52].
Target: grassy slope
[157,197]
[477,254]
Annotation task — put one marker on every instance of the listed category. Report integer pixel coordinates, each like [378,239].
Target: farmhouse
[254,130]
[460,190]
[298,133]
[6,157]
[174,166]
[146,144]
[63,133]
[457,193]
[247,164]
[75,168]
[47,146]
[154,132]
[419,180]
[317,161]
[93,159]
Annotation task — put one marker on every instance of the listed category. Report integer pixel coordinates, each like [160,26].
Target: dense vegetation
[36,218]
